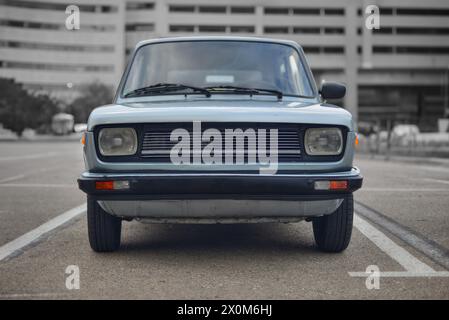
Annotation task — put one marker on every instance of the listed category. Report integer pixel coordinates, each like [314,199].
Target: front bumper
[219,198]
[154,186]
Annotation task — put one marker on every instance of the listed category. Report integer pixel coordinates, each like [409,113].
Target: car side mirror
[332,90]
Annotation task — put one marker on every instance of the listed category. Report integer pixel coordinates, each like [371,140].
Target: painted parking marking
[403,274]
[436,180]
[412,265]
[414,268]
[30,173]
[31,156]
[419,242]
[374,189]
[388,246]
[36,185]
[13,178]
[33,295]
[433,180]
[16,246]
[434,169]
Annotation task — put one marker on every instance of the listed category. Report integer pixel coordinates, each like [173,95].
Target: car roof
[217,38]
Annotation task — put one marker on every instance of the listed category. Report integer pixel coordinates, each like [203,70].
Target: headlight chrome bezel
[127,133]
[310,131]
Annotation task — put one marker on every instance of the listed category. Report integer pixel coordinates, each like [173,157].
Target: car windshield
[221,65]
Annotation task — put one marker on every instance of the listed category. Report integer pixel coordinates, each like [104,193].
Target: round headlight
[323,141]
[117,141]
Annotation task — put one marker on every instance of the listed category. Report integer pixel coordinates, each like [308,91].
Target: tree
[20,109]
[91,96]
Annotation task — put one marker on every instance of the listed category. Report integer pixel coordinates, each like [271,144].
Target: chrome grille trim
[156,144]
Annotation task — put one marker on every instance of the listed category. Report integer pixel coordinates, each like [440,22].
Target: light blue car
[220,130]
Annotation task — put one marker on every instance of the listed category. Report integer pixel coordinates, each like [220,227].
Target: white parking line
[31,156]
[368,189]
[36,185]
[15,246]
[403,274]
[436,180]
[435,169]
[419,242]
[30,173]
[33,295]
[409,262]
[13,178]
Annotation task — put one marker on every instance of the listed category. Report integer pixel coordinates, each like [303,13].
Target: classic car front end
[203,131]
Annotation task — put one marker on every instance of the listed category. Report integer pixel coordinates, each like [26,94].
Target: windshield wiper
[164,87]
[249,91]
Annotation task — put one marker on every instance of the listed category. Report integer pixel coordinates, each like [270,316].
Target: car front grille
[156,145]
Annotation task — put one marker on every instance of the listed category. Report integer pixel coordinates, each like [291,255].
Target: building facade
[398,72]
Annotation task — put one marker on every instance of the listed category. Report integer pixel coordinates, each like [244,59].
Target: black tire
[333,232]
[104,229]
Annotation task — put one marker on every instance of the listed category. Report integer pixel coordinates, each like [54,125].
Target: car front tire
[104,229]
[333,232]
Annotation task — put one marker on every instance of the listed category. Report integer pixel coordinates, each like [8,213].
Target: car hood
[214,110]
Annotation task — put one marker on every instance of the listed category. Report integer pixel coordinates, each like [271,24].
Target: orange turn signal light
[338,185]
[104,185]
[331,185]
[356,141]
[112,185]
[83,139]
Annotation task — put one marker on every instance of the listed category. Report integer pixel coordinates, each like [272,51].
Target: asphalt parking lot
[401,226]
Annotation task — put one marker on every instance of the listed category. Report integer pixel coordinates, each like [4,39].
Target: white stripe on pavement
[402,274]
[34,172]
[37,185]
[13,178]
[34,295]
[31,156]
[419,242]
[437,180]
[23,241]
[435,168]
[368,189]
[394,251]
